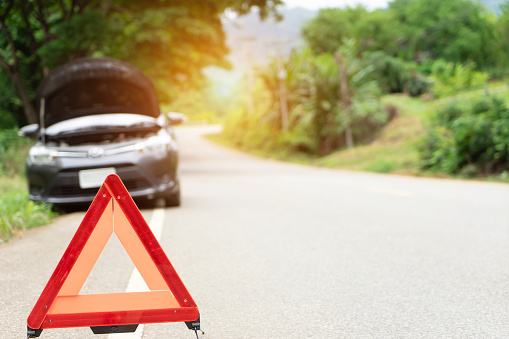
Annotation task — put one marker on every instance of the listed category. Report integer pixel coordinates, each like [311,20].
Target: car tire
[173,200]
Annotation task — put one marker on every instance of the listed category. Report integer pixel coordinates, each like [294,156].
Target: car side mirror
[29,131]
[176,118]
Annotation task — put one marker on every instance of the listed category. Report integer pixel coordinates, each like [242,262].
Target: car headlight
[153,145]
[42,155]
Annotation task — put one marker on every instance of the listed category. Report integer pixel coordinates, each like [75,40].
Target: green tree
[376,33]
[171,40]
[502,35]
[454,30]
[360,94]
[373,31]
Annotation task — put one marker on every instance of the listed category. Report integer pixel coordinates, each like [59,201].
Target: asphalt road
[274,250]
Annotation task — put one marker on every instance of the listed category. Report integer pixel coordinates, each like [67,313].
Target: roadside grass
[17,212]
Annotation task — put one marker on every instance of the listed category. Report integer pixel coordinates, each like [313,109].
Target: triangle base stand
[114,329]
[31,333]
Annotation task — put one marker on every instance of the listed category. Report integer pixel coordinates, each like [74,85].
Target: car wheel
[173,200]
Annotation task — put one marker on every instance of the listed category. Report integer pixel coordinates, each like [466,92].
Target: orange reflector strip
[110,302]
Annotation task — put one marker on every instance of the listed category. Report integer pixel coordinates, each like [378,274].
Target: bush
[7,121]
[247,131]
[395,75]
[13,151]
[469,137]
[448,78]
[16,211]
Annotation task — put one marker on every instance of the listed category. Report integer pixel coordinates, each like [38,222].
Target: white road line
[136,282]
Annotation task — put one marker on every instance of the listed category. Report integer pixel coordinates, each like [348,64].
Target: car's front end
[70,169]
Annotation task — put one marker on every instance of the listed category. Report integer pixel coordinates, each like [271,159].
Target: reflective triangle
[112,211]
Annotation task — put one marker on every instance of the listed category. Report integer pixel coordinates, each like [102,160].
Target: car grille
[66,184]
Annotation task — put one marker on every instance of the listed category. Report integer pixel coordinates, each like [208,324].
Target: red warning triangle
[60,304]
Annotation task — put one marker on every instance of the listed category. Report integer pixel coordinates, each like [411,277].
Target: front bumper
[144,177]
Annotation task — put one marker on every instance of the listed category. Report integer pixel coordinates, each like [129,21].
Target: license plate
[94,177]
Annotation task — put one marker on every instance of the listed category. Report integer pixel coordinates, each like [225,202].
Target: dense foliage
[374,31]
[410,35]
[455,30]
[318,120]
[13,151]
[470,137]
[449,79]
[395,75]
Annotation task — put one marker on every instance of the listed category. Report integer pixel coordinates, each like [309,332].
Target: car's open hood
[91,86]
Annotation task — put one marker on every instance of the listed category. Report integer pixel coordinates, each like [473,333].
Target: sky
[316,4]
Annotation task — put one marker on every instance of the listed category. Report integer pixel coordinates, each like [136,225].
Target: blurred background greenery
[369,89]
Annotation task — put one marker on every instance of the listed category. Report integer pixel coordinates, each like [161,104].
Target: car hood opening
[101,129]
[92,86]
